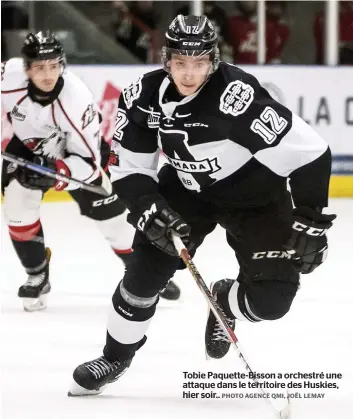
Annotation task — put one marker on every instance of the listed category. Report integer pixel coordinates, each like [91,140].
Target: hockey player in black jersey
[55,120]
[230,148]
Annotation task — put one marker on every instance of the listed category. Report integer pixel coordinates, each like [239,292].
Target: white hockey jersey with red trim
[67,129]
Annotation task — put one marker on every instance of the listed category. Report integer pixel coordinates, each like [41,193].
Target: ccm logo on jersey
[272,254]
[311,231]
[105,201]
[196,124]
[145,217]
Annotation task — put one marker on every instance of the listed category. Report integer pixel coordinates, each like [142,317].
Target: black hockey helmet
[42,46]
[191,35]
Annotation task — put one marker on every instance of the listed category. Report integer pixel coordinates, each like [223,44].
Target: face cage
[213,53]
[60,59]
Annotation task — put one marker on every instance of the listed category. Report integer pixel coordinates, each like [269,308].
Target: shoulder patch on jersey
[236,98]
[132,92]
[88,115]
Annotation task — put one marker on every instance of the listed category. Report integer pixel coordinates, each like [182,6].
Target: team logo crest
[236,98]
[153,117]
[53,146]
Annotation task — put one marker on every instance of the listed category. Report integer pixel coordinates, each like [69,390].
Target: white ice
[40,350]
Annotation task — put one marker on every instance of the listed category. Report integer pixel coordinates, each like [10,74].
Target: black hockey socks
[28,242]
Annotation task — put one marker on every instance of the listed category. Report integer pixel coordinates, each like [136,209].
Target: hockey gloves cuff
[158,222]
[309,239]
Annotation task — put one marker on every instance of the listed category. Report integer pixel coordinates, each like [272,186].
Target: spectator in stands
[345,35]
[218,17]
[136,29]
[277,29]
[242,29]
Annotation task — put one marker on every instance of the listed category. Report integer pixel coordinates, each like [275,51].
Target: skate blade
[208,357]
[79,391]
[35,304]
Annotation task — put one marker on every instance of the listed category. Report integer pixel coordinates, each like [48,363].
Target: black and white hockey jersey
[230,142]
[67,129]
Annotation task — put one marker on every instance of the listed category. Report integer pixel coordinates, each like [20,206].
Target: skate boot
[171,291]
[216,341]
[36,288]
[92,377]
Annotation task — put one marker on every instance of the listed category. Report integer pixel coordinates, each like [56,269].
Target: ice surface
[40,350]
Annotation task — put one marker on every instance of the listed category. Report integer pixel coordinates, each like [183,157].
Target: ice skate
[92,377]
[216,341]
[35,291]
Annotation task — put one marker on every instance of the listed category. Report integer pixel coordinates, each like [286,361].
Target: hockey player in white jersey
[56,123]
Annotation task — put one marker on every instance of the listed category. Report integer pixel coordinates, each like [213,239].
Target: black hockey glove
[34,180]
[309,239]
[158,222]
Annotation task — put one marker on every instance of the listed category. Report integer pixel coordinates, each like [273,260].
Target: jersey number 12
[276,122]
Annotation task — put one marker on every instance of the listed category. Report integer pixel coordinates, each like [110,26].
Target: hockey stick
[105,189]
[283,413]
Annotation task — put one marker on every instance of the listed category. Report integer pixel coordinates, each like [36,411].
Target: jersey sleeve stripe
[53,114]
[13,91]
[22,99]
